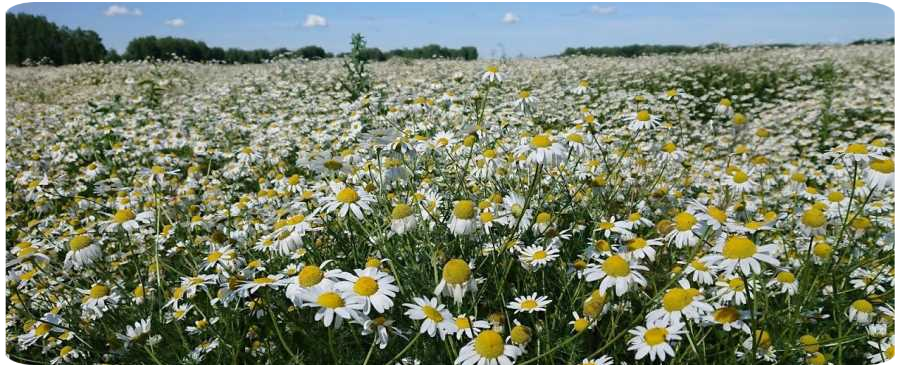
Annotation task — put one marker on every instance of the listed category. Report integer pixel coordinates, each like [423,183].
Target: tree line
[32,38]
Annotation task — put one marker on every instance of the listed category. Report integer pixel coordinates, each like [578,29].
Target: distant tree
[30,37]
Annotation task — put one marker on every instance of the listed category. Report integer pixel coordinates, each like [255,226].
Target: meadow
[729,207]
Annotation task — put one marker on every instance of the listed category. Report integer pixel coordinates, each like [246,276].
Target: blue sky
[529,29]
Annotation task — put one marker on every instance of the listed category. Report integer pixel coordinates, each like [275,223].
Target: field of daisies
[733,207]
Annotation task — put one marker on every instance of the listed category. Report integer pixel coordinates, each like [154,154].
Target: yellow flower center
[524,94]
[739,119]
[79,242]
[464,209]
[740,177]
[785,277]
[725,102]
[365,286]
[123,215]
[655,336]
[520,334]
[813,218]
[616,266]
[539,255]
[543,218]
[491,69]
[580,324]
[685,221]
[333,165]
[862,305]
[99,291]
[893,353]
[699,266]
[213,256]
[310,276]
[330,300]
[489,344]
[738,247]
[432,313]
[347,195]
[65,351]
[401,211]
[857,149]
[736,284]
[294,180]
[763,340]
[529,304]
[822,250]
[882,166]
[462,323]
[669,147]
[643,115]
[835,196]
[486,217]
[636,243]
[810,344]
[676,299]
[726,315]
[263,280]
[541,141]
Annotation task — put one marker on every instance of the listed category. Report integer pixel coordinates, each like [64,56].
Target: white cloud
[313,20]
[510,18]
[602,10]
[116,10]
[175,22]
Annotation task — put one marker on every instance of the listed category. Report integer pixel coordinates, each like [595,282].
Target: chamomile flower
[684,225]
[332,306]
[641,120]
[469,326]
[884,350]
[616,271]
[861,311]
[654,339]
[456,280]
[403,219]
[529,304]
[602,360]
[83,251]
[135,333]
[785,282]
[542,149]
[370,286]
[537,256]
[488,348]
[880,173]
[739,252]
[463,220]
[347,199]
[436,319]
[250,287]
[491,74]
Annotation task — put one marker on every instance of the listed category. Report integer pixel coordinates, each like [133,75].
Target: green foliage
[33,38]
[357,81]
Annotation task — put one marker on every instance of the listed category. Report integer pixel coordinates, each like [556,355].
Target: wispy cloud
[117,10]
[314,20]
[175,22]
[602,10]
[510,18]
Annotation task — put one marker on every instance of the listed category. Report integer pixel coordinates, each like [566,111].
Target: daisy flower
[463,220]
[602,360]
[542,149]
[641,120]
[491,74]
[98,299]
[537,256]
[616,271]
[456,280]
[382,328]
[127,220]
[699,272]
[250,287]
[786,282]
[738,251]
[370,287]
[468,326]
[435,317]
[83,251]
[683,233]
[728,318]
[332,306]
[884,348]
[348,199]
[529,304]
[134,333]
[861,311]
[403,219]
[654,339]
[640,248]
[488,348]
[680,302]
[880,173]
